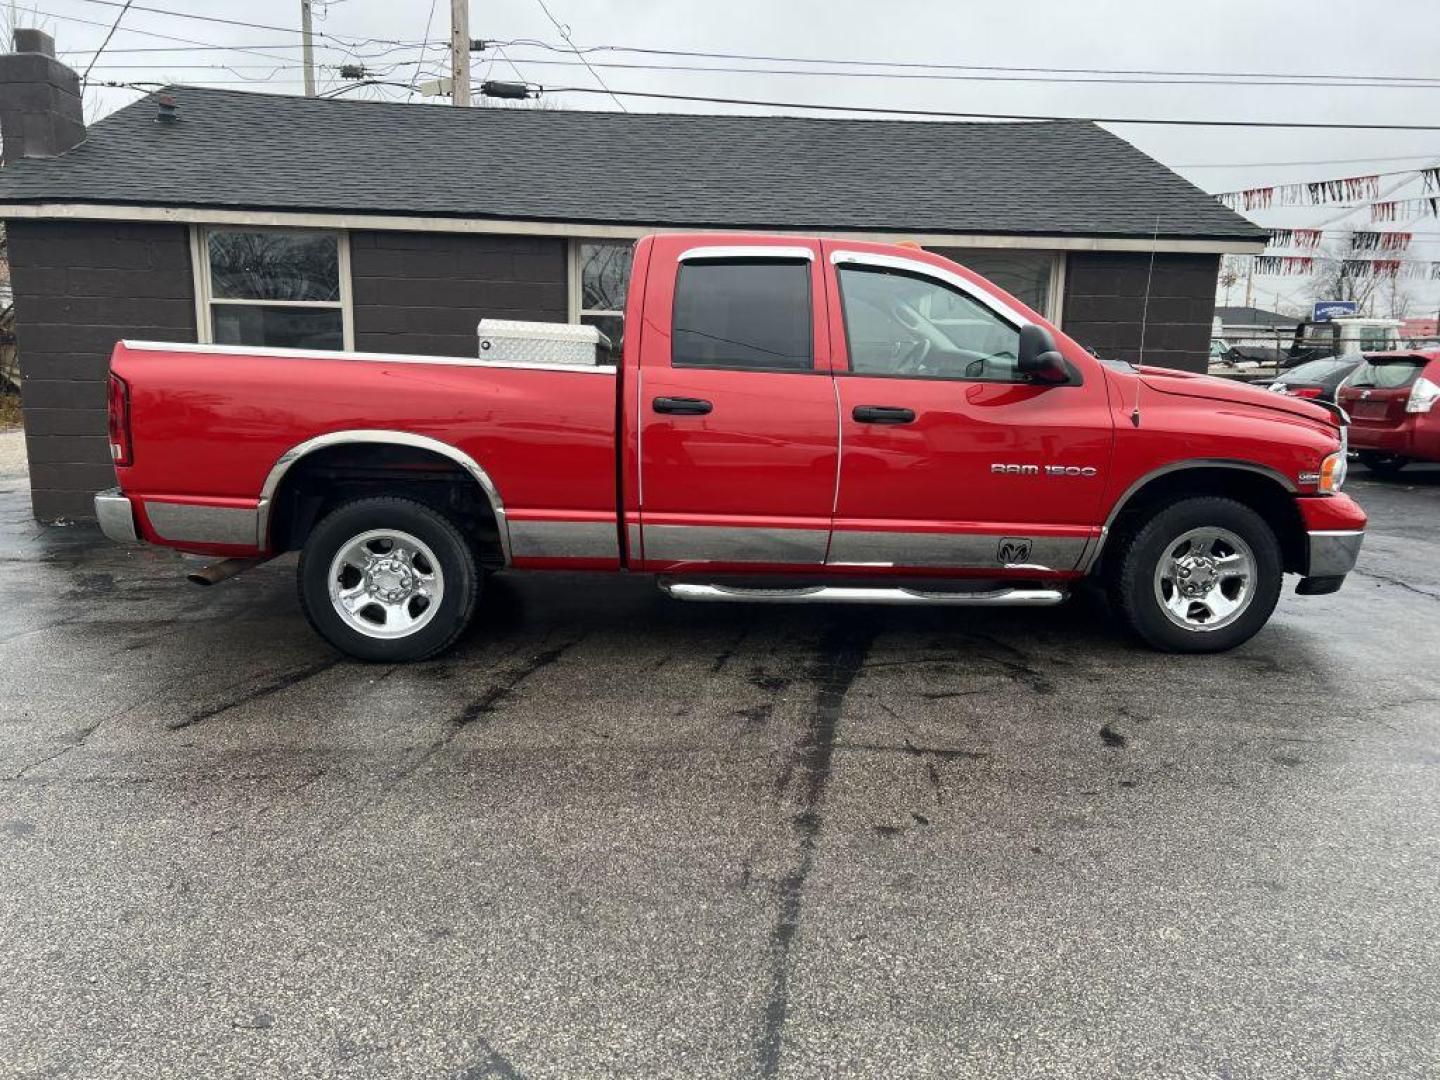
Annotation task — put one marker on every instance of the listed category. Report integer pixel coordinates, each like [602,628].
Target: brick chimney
[40,109]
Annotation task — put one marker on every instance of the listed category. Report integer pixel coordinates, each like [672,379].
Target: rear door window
[744,315]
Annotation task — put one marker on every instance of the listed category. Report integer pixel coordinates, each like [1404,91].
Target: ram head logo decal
[1013,550]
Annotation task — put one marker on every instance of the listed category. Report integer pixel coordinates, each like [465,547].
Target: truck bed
[213,425]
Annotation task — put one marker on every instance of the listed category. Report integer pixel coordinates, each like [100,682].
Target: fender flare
[377,437]
[1091,555]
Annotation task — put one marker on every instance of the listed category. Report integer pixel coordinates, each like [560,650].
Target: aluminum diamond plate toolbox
[514,342]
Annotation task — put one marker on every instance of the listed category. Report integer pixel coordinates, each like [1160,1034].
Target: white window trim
[576,293]
[1055,299]
[200,269]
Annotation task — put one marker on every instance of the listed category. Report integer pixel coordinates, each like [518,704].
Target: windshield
[1316,370]
[1387,374]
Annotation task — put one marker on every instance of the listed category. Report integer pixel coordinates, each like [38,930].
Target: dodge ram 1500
[789,420]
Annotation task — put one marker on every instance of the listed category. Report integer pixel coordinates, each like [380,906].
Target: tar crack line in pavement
[498,691]
[842,655]
[493,1065]
[284,682]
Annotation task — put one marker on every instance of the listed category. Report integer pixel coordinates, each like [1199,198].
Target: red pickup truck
[789,420]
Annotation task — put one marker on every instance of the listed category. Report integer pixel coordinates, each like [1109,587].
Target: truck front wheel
[387,580]
[1201,575]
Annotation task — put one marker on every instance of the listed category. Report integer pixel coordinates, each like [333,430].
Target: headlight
[1332,472]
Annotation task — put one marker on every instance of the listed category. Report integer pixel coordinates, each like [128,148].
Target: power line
[238,22]
[1328,180]
[950,77]
[84,79]
[198,18]
[1326,76]
[421,62]
[1283,164]
[203,67]
[162,48]
[142,33]
[947,115]
[565,33]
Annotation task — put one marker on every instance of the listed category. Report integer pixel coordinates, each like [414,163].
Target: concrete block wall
[1105,297]
[79,288]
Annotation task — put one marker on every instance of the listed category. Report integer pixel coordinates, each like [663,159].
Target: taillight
[1306,391]
[119,408]
[1423,395]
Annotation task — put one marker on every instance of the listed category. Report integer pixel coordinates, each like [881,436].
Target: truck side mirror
[1039,360]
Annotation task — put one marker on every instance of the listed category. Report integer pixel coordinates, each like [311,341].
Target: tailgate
[1376,395]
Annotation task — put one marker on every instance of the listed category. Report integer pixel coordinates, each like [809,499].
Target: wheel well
[1266,496]
[325,478]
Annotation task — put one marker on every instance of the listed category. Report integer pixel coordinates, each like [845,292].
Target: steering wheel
[910,356]
[913,359]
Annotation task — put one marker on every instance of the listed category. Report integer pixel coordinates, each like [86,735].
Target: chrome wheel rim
[386,584]
[1205,579]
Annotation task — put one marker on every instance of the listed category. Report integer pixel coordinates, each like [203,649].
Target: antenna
[1149,273]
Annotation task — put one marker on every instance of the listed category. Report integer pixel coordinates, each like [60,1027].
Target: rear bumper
[1389,440]
[1417,436]
[1332,553]
[116,516]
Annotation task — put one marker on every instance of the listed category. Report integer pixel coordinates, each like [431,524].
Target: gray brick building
[218,215]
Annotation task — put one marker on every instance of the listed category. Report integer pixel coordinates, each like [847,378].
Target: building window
[288,288]
[599,278]
[1032,277]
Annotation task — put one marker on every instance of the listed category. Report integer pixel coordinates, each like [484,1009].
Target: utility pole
[307,48]
[460,52]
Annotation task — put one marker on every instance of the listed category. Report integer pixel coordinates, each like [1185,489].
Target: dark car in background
[1391,399]
[1317,380]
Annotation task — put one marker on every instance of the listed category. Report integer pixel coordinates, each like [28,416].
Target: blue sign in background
[1329,309]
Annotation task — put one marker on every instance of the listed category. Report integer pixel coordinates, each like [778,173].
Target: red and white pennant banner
[1284,265]
[1405,209]
[1392,268]
[1317,193]
[1300,265]
[1380,241]
[1307,239]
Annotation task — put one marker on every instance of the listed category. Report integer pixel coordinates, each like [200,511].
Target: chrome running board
[852,594]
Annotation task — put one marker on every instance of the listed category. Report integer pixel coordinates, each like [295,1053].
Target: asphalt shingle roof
[1253,316]
[262,151]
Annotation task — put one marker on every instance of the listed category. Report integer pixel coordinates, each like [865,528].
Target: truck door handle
[683,406]
[883,414]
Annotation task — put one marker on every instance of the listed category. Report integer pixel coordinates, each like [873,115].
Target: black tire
[459,575]
[1131,577]
[1382,464]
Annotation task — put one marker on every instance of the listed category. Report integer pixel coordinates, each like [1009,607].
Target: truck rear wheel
[387,580]
[1202,575]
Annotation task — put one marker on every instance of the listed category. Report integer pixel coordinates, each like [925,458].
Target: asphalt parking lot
[613,835]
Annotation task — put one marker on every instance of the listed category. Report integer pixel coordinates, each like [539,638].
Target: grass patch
[9,411]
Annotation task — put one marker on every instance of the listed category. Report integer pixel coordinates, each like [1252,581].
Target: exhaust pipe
[222,570]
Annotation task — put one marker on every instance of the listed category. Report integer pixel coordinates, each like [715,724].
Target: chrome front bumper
[1333,554]
[116,517]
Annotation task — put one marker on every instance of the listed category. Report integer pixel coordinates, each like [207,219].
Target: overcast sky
[1246,36]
